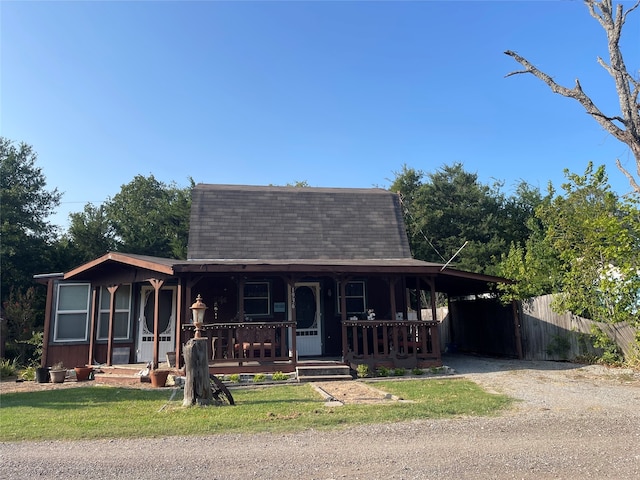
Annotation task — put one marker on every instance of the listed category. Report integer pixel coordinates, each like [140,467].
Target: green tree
[596,235]
[90,234]
[452,209]
[26,235]
[150,217]
[585,245]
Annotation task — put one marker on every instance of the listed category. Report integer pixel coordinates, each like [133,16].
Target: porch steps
[125,375]
[323,373]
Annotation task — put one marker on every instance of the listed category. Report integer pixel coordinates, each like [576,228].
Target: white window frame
[363,296]
[101,311]
[60,313]
[268,298]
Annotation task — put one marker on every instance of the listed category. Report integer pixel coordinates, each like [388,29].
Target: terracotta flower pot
[83,373]
[158,377]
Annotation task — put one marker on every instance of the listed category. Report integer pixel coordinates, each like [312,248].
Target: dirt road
[569,423]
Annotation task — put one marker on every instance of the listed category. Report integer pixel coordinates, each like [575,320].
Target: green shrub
[417,371]
[28,374]
[559,346]
[279,376]
[382,371]
[399,372]
[363,370]
[611,353]
[8,368]
[259,377]
[234,377]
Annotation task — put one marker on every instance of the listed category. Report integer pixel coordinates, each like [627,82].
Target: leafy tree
[597,237]
[90,234]
[625,126]
[453,209]
[21,311]
[584,244]
[150,217]
[25,206]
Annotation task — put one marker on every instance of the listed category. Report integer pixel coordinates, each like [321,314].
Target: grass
[109,412]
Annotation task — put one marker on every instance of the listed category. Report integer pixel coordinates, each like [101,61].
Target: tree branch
[627,87]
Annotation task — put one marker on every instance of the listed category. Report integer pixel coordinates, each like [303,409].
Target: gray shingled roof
[280,223]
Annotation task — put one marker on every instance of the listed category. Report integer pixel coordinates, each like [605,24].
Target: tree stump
[197,387]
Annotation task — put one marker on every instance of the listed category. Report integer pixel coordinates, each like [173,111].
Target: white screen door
[308,319]
[166,323]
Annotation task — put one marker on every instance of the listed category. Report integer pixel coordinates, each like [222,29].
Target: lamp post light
[197,311]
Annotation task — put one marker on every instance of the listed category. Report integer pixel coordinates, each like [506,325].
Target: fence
[547,335]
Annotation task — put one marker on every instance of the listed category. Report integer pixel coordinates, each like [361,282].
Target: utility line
[405,209]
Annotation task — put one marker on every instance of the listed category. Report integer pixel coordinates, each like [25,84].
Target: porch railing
[248,341]
[396,343]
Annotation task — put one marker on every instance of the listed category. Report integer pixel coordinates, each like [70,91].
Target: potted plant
[158,377]
[58,373]
[83,373]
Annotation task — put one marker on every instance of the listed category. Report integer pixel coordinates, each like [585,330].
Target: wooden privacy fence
[547,335]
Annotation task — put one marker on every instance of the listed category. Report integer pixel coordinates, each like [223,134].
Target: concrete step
[317,373]
[324,378]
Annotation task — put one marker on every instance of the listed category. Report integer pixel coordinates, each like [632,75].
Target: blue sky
[338,94]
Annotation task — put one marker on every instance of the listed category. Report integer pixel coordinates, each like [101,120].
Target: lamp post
[197,311]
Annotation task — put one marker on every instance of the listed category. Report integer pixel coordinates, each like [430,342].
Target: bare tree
[625,128]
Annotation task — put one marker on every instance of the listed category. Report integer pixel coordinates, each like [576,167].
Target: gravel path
[570,423]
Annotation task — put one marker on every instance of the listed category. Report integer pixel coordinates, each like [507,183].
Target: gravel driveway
[571,422]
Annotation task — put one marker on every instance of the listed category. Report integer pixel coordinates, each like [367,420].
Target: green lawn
[109,412]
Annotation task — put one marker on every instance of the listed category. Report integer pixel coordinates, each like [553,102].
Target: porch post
[157,285]
[179,317]
[294,346]
[47,322]
[434,303]
[343,318]
[419,299]
[92,324]
[112,309]
[435,330]
[392,296]
[241,283]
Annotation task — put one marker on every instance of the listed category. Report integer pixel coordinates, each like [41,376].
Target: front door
[308,319]
[166,323]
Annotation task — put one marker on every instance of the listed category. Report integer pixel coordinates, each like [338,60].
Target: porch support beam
[435,330]
[47,322]
[392,296]
[180,309]
[93,324]
[157,285]
[291,283]
[343,317]
[112,309]
[241,283]
[419,299]
[189,298]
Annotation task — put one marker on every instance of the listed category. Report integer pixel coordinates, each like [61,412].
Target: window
[72,312]
[257,299]
[121,315]
[354,294]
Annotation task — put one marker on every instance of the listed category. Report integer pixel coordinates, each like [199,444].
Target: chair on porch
[255,342]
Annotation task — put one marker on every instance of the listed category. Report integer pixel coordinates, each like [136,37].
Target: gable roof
[234,222]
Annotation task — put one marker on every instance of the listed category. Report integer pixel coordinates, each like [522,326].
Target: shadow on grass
[72,398]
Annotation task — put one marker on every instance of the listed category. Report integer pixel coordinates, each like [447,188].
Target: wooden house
[286,273]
